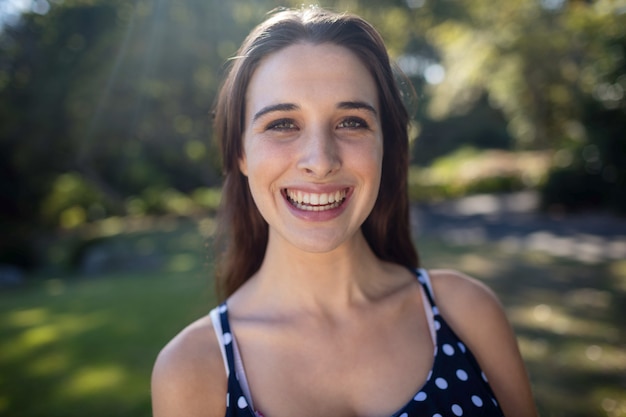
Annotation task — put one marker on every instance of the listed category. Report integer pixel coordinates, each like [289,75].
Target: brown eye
[282,124]
[353,123]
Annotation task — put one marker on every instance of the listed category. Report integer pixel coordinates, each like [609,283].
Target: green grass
[77,346]
[85,346]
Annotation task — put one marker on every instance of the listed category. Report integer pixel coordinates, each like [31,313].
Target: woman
[326,313]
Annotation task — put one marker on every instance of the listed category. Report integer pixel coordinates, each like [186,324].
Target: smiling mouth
[315,201]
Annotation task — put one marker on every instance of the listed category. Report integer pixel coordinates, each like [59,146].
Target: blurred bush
[472,171]
[591,172]
[480,127]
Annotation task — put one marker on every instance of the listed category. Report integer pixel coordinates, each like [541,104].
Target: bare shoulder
[189,377]
[458,293]
[472,309]
[476,315]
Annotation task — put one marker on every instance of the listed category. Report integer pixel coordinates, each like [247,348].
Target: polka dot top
[455,386]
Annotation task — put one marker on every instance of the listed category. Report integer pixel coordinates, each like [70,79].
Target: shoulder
[457,293]
[471,308]
[476,315]
[188,377]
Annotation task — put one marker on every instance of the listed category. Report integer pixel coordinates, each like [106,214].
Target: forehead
[307,72]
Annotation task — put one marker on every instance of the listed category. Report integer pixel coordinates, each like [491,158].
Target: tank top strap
[424,279]
[238,396]
[430,310]
[219,318]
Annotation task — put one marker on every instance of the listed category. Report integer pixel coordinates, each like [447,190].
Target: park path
[514,221]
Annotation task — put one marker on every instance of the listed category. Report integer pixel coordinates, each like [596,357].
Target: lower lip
[318,216]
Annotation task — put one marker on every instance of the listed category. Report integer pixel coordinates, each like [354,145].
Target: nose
[319,154]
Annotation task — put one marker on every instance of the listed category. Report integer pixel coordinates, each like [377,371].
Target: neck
[346,276]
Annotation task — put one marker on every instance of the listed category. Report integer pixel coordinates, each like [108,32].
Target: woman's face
[313,145]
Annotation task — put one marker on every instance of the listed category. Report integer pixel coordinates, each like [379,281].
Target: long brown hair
[243,233]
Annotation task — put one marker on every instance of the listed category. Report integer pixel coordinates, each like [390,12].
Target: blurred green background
[109,180]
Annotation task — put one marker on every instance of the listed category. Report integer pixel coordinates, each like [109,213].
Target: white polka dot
[494,402]
[441,383]
[478,402]
[242,403]
[421,396]
[430,374]
[437,415]
[448,350]
[462,347]
[223,308]
[484,376]
[227,338]
[457,410]
[227,399]
[435,310]
[404,415]
[437,325]
[461,374]
[421,279]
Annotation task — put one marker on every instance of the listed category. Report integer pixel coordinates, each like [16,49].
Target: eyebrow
[357,105]
[345,105]
[273,108]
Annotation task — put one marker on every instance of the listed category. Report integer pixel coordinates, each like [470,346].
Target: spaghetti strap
[215,316]
[424,279]
[227,336]
[238,398]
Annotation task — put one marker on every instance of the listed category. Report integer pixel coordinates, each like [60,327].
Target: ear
[243,165]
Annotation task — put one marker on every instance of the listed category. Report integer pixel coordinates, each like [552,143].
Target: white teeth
[314,201]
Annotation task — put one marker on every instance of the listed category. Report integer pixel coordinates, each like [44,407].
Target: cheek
[263,165]
[373,165]
[369,160]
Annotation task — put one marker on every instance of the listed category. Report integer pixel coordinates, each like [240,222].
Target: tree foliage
[105,104]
